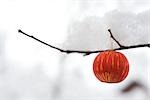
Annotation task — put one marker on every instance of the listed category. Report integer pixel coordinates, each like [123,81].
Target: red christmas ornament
[111,67]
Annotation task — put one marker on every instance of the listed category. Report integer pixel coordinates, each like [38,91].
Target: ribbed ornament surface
[111,67]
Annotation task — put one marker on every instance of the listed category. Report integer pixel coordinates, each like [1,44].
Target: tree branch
[86,52]
[111,35]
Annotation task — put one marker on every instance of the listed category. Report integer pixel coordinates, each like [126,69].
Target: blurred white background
[32,71]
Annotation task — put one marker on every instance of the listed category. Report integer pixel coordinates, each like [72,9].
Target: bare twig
[111,35]
[83,51]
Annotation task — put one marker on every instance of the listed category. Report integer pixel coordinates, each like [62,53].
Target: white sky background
[30,70]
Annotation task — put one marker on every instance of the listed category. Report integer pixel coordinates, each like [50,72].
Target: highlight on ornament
[111,67]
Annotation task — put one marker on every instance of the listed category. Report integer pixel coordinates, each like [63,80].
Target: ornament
[111,66]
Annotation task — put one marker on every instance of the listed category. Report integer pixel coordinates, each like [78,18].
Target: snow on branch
[121,47]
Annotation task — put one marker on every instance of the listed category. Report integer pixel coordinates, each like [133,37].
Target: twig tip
[19,30]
